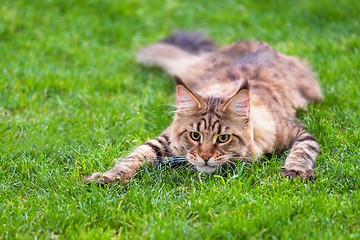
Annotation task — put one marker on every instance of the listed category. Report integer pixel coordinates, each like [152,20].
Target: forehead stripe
[216,124]
[205,124]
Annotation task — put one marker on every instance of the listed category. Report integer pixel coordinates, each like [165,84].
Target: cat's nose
[206,154]
[206,157]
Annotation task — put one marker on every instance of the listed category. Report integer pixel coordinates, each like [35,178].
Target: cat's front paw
[107,178]
[293,172]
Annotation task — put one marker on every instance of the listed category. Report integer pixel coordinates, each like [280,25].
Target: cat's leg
[303,153]
[150,153]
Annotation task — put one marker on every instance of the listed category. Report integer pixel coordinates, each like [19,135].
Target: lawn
[73,99]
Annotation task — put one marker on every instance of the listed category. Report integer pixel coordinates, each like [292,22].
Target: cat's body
[233,104]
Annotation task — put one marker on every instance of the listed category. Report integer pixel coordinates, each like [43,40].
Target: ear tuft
[178,80]
[244,85]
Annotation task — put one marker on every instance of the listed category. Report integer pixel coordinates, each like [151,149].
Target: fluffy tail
[176,53]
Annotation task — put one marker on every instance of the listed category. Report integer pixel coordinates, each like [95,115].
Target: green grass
[72,100]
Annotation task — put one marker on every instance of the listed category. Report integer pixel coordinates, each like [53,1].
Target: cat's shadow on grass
[177,173]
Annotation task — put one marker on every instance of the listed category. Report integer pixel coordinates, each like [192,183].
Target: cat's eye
[195,136]
[223,138]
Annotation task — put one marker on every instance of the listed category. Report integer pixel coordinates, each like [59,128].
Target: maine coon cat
[234,104]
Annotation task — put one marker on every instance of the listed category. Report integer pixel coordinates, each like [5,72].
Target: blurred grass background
[72,100]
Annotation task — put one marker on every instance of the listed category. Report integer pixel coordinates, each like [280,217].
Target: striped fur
[246,93]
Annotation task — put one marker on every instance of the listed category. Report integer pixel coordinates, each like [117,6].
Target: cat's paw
[104,179]
[293,172]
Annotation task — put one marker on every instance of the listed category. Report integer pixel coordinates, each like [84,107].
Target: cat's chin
[207,169]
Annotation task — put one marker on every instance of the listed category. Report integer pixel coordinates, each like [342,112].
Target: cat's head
[211,131]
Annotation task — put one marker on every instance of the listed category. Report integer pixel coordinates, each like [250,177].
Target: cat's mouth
[207,169]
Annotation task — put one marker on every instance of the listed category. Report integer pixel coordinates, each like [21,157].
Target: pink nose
[205,157]
[206,153]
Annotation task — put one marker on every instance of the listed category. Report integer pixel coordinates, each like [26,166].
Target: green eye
[223,138]
[195,136]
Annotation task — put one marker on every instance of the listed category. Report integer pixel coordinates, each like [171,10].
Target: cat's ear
[240,102]
[186,100]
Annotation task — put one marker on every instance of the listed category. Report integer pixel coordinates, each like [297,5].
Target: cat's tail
[176,53]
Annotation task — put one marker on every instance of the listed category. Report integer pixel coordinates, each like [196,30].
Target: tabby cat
[234,104]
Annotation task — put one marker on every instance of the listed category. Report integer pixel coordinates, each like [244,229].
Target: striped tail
[176,53]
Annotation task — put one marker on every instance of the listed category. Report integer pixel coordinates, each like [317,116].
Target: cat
[233,104]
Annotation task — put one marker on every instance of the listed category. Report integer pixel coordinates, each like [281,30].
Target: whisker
[186,166]
[231,164]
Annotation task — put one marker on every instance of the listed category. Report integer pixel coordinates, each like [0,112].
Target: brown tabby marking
[233,105]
